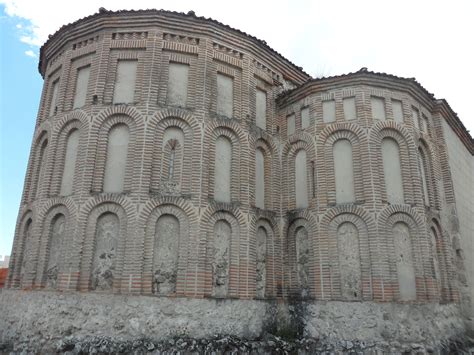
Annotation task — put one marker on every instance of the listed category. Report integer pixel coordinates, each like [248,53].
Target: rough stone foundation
[44,321]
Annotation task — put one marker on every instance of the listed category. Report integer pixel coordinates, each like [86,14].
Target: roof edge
[190,15]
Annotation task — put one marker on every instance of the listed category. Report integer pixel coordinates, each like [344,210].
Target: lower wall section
[48,321]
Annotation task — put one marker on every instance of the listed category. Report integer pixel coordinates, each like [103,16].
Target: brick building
[175,156]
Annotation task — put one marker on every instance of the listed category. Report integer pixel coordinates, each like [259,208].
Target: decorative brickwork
[165,234]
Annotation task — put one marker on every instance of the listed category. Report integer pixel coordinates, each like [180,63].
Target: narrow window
[305,118]
[329,111]
[301,179]
[261,109]
[378,108]
[70,163]
[259,179]
[290,120]
[82,81]
[392,171]
[54,98]
[124,91]
[344,171]
[222,170]
[225,95]
[350,112]
[117,150]
[178,84]
[397,111]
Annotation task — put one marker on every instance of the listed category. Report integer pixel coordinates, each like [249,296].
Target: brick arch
[236,258]
[239,158]
[388,217]
[38,164]
[272,265]
[45,219]
[149,247]
[87,245]
[99,133]
[62,130]
[177,113]
[156,157]
[428,161]
[445,264]
[270,165]
[289,152]
[366,250]
[409,166]
[191,259]
[327,181]
[19,248]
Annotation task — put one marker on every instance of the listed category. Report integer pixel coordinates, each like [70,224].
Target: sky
[432,41]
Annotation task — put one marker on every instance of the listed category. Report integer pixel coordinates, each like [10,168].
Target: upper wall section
[102,25]
[369,97]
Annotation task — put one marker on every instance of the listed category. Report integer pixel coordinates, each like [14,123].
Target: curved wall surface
[176,156]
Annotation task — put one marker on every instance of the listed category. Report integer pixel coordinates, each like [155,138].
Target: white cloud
[426,39]
[30,53]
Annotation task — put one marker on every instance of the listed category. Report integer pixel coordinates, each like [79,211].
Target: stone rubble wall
[46,321]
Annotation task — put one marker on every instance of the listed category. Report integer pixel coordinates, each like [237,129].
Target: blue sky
[20,90]
[430,40]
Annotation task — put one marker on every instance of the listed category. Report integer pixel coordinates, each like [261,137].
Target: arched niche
[70,158]
[222,170]
[404,261]
[116,161]
[392,171]
[165,254]
[106,243]
[344,171]
[301,179]
[221,258]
